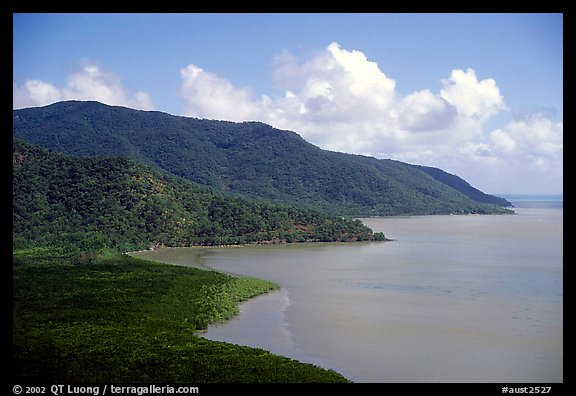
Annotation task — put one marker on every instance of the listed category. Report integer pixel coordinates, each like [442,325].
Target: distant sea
[534,200]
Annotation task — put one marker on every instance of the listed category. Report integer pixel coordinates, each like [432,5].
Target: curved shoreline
[433,312]
[269,308]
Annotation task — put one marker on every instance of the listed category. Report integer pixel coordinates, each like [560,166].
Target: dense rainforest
[252,159]
[85,313]
[92,203]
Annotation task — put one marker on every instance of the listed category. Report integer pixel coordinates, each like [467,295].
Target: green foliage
[251,159]
[94,203]
[120,319]
[461,185]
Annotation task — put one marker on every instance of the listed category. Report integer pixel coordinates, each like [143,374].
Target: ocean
[474,298]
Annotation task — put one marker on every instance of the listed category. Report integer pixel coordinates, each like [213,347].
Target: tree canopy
[114,202]
[251,159]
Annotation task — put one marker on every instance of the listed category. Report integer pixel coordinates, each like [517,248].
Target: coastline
[151,310]
[393,286]
[267,309]
[287,346]
[149,254]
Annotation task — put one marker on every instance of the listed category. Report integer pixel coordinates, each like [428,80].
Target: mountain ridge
[114,202]
[251,159]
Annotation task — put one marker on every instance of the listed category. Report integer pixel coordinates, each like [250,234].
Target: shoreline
[269,307]
[388,294]
[161,305]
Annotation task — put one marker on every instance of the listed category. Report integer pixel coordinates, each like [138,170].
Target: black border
[383,6]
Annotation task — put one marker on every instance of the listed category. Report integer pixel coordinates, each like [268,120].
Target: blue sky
[478,95]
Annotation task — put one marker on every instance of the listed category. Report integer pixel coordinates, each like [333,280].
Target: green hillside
[251,158]
[463,186]
[90,203]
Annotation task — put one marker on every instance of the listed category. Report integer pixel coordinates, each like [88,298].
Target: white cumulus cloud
[475,100]
[333,87]
[89,82]
[35,93]
[424,111]
[340,100]
[537,140]
[208,96]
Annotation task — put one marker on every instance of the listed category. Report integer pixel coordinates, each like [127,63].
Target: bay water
[474,298]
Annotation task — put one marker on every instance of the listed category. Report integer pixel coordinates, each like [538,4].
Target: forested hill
[250,158]
[92,203]
[463,186]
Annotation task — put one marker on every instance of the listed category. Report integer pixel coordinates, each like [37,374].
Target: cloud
[333,87]
[525,155]
[340,100]
[475,100]
[89,82]
[35,93]
[208,96]
[424,111]
[536,140]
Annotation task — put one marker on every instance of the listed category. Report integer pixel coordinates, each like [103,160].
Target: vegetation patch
[99,203]
[252,159]
[115,318]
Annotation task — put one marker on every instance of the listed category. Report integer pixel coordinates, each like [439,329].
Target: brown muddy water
[474,298]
